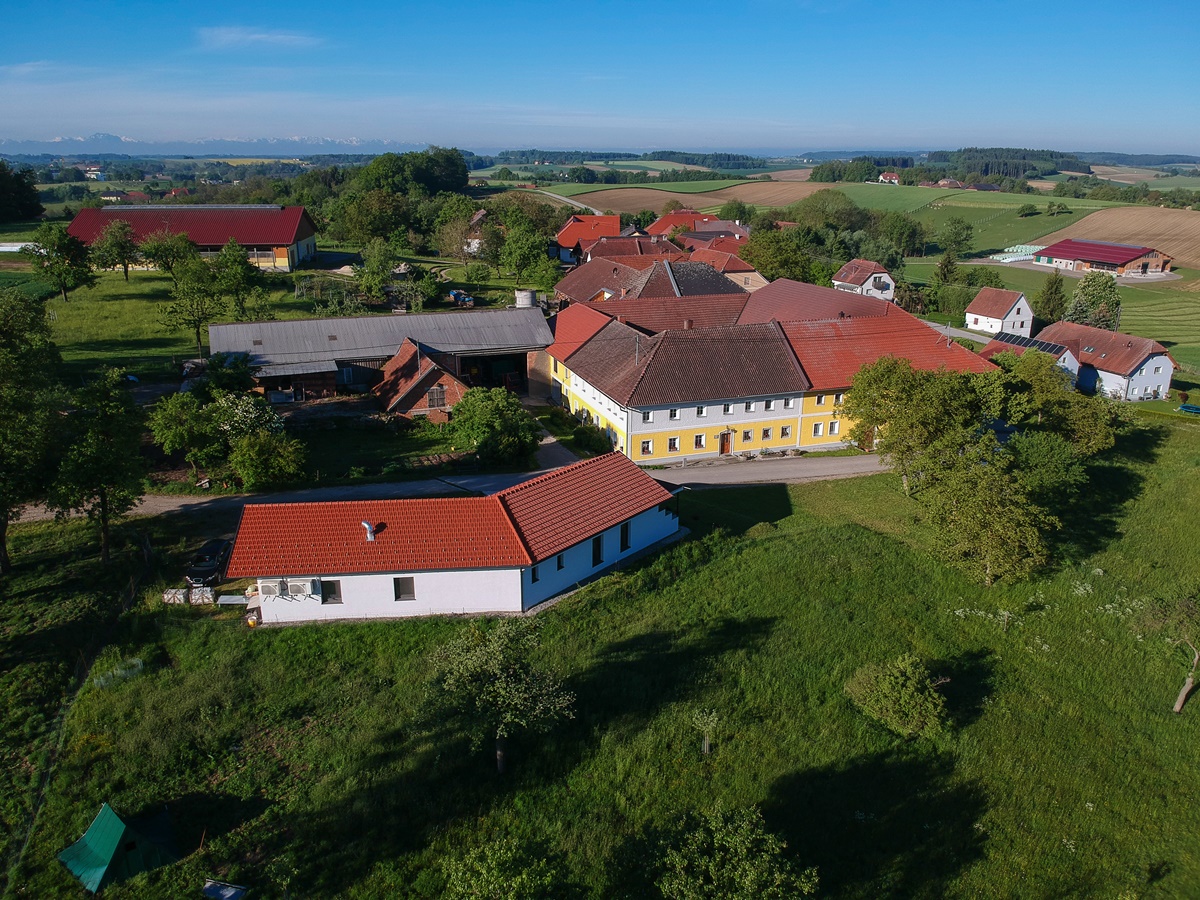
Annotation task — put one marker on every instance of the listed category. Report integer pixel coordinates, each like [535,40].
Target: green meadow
[309,761]
[680,187]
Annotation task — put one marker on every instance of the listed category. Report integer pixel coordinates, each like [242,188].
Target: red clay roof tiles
[795,301]
[994,303]
[1111,351]
[587,228]
[857,271]
[573,327]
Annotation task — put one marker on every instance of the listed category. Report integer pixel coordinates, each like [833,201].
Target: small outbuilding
[863,276]
[112,850]
[995,310]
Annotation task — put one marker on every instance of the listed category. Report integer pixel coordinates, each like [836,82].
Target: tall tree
[29,406]
[60,258]
[1050,302]
[234,276]
[197,300]
[1095,302]
[490,678]
[452,240]
[18,194]
[167,251]
[116,247]
[493,423]
[523,248]
[955,236]
[102,471]
[375,274]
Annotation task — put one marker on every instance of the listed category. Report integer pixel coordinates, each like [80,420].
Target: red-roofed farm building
[995,310]
[862,276]
[1116,259]
[278,238]
[1120,366]
[503,553]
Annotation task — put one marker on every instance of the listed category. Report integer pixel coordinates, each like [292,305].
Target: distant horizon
[786,76]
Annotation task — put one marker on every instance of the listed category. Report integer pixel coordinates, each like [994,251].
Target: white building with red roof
[1116,259]
[863,276]
[889,178]
[995,310]
[504,553]
[578,231]
[274,237]
[1120,366]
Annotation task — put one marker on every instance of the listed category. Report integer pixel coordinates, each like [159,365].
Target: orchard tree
[265,459]
[1026,209]
[1050,302]
[196,299]
[453,238]
[59,258]
[523,250]
[493,424]
[379,258]
[901,695]
[102,471]
[501,870]
[955,236]
[178,422]
[489,677]
[1096,302]
[168,252]
[30,404]
[116,248]
[729,853]
[234,277]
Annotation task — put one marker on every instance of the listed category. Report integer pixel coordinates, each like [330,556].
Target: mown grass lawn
[308,758]
[680,187]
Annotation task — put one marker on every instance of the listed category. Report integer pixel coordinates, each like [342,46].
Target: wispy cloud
[25,69]
[235,37]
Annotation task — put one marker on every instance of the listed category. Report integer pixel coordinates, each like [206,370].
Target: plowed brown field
[1175,232]
[761,193]
[792,174]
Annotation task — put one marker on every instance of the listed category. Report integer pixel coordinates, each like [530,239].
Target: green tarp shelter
[112,850]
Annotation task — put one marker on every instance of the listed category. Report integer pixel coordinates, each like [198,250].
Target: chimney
[624,293]
[687,324]
[622,320]
[370,530]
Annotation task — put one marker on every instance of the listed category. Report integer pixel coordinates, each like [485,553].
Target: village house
[503,553]
[621,277]
[862,276]
[278,238]
[741,273]
[889,178]
[995,310]
[1120,366]
[1017,345]
[304,358]
[609,247]
[1116,259]
[414,385]
[580,230]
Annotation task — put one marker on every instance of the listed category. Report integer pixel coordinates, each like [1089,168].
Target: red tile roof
[643,276]
[687,218]
[1121,354]
[857,271]
[587,228]
[205,226]
[832,352]
[629,246]
[573,327]
[699,241]
[656,314]
[1096,251]
[561,509]
[329,539]
[513,528]
[410,369]
[795,301]
[722,262]
[994,303]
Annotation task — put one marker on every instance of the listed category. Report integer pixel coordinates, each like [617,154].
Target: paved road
[576,203]
[793,470]
[976,336]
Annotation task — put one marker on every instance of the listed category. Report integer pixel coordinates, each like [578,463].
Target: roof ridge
[656,342]
[512,523]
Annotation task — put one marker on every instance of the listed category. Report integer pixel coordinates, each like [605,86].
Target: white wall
[373,596]
[1142,384]
[644,529]
[1018,320]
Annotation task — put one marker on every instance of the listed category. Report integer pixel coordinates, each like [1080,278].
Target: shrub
[1183,396]
[503,870]
[266,459]
[591,439]
[901,695]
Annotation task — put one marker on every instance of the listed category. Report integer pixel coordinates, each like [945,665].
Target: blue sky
[792,76]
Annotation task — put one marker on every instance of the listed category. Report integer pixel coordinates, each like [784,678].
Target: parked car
[207,567]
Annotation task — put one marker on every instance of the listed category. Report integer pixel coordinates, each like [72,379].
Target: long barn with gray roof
[315,357]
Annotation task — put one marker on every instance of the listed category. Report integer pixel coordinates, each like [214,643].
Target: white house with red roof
[863,276]
[1017,345]
[1120,366]
[995,310]
[1116,259]
[504,553]
[581,230]
[889,178]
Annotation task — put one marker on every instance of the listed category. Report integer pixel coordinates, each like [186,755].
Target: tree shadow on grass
[1092,519]
[971,677]
[734,509]
[425,776]
[880,825]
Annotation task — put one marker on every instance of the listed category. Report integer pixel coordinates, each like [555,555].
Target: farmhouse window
[788,403]
[534,578]
[673,414]
[785,431]
[818,429]
[437,396]
[558,561]
[747,436]
[766,434]
[647,447]
[647,417]
[556,367]
[1158,370]
[701,412]
[698,443]
[835,427]
[597,550]
[749,406]
[820,399]
[626,543]
[768,405]
[404,588]
[838,398]
[727,408]
[672,445]
[331,592]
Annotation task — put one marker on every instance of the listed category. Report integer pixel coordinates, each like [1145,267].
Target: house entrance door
[726,440]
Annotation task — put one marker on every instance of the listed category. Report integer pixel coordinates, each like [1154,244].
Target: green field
[681,187]
[307,758]
[1190,182]
[1168,312]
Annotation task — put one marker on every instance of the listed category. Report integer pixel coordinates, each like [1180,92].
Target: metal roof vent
[370,530]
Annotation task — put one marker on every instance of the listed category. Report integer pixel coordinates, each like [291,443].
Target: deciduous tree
[59,258]
[115,247]
[167,251]
[729,853]
[523,249]
[492,423]
[490,678]
[901,695]
[18,194]
[501,870]
[955,236]
[102,471]
[234,277]
[1095,302]
[1050,302]
[197,299]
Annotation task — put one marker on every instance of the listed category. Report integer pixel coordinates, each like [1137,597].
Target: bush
[494,425]
[266,459]
[1183,396]
[591,439]
[901,695]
